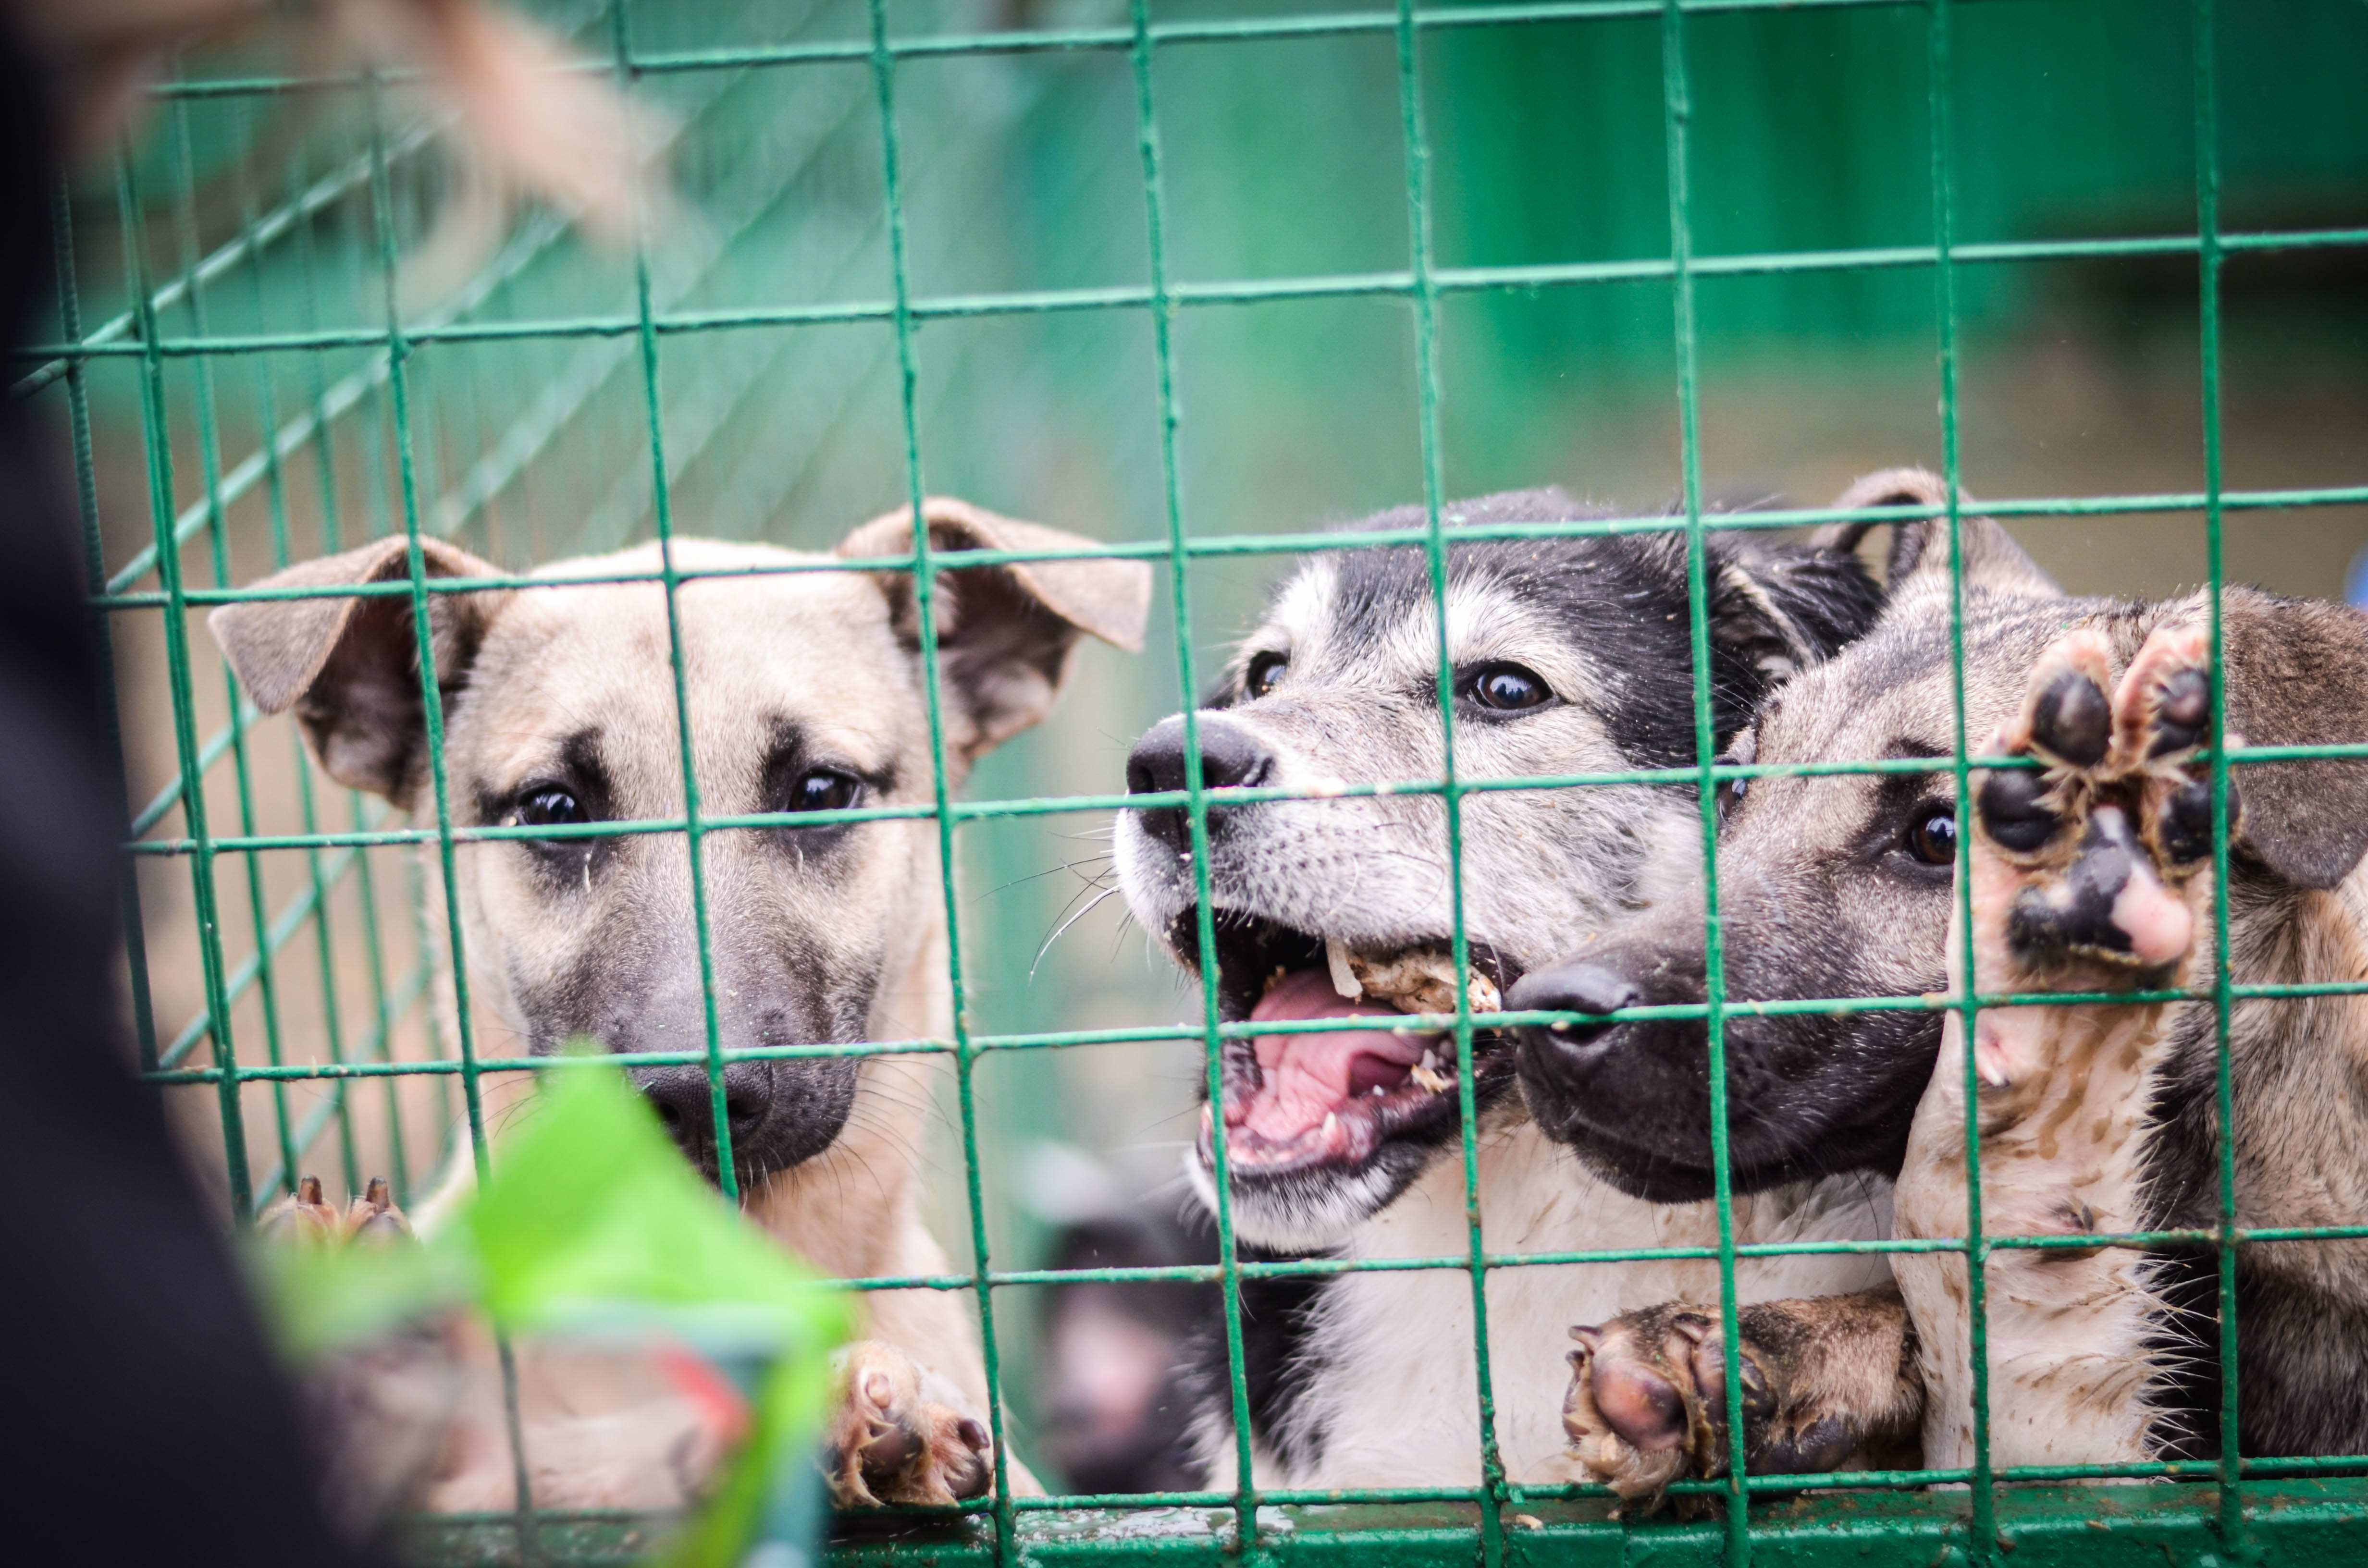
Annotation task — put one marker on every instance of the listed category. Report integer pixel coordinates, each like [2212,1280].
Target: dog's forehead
[767,644]
[1371,618]
[1899,683]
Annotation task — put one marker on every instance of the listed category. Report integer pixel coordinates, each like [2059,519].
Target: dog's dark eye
[1932,838]
[1731,792]
[1264,671]
[822,789]
[1508,687]
[550,806]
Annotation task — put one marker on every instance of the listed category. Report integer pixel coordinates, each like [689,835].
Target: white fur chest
[1393,1398]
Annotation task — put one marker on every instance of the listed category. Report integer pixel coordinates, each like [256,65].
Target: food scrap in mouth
[1421,981]
[1333,1096]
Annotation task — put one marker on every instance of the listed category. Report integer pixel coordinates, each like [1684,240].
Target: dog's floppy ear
[2296,675]
[1919,557]
[350,666]
[1007,635]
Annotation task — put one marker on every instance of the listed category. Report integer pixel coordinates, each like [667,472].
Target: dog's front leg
[908,1422]
[1829,1384]
[2091,875]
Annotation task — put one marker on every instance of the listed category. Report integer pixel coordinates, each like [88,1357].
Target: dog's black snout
[1570,988]
[1231,758]
[687,1105]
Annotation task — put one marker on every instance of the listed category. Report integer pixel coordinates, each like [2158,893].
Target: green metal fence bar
[694,838]
[157,431]
[135,931]
[1432,1022]
[2237,757]
[1427,386]
[1446,280]
[282,928]
[2233,1530]
[430,424]
[350,392]
[1676,111]
[1224,545]
[398,352]
[883,77]
[209,444]
[1982,1538]
[290,219]
[320,881]
[1022,40]
[1245,1499]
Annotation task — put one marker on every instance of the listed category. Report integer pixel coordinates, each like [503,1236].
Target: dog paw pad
[2089,857]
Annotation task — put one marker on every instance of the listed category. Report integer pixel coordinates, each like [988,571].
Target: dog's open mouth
[1333,1097]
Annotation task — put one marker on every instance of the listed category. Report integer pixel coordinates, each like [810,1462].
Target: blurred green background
[1283,159]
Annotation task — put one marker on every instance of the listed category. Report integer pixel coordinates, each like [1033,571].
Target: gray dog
[1841,886]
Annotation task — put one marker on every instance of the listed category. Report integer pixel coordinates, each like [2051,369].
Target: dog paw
[1647,1400]
[1828,1383]
[899,1433]
[306,1216]
[2091,872]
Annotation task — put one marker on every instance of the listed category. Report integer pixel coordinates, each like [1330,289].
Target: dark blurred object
[1111,1394]
[2316,280]
[140,1416]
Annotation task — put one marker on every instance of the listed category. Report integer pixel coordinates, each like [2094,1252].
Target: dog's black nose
[1570,988]
[685,1104]
[1231,758]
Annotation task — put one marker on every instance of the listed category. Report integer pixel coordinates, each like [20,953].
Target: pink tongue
[1309,1076]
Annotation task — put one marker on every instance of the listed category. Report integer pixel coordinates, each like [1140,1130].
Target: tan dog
[806,692]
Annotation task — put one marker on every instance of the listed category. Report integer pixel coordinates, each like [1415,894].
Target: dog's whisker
[1098,899]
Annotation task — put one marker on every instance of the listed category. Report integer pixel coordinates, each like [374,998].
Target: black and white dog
[1569,655]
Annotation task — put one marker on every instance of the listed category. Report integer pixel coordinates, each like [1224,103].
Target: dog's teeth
[1331,1127]
[1344,979]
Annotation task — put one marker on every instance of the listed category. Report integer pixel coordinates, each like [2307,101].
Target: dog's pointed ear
[1007,634]
[2295,673]
[1919,557]
[1780,607]
[349,666]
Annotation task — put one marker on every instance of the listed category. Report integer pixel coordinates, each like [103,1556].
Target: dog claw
[897,1436]
[373,1219]
[306,1215]
[302,1216]
[1635,1412]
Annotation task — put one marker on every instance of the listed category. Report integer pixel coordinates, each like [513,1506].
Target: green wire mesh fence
[924,237]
